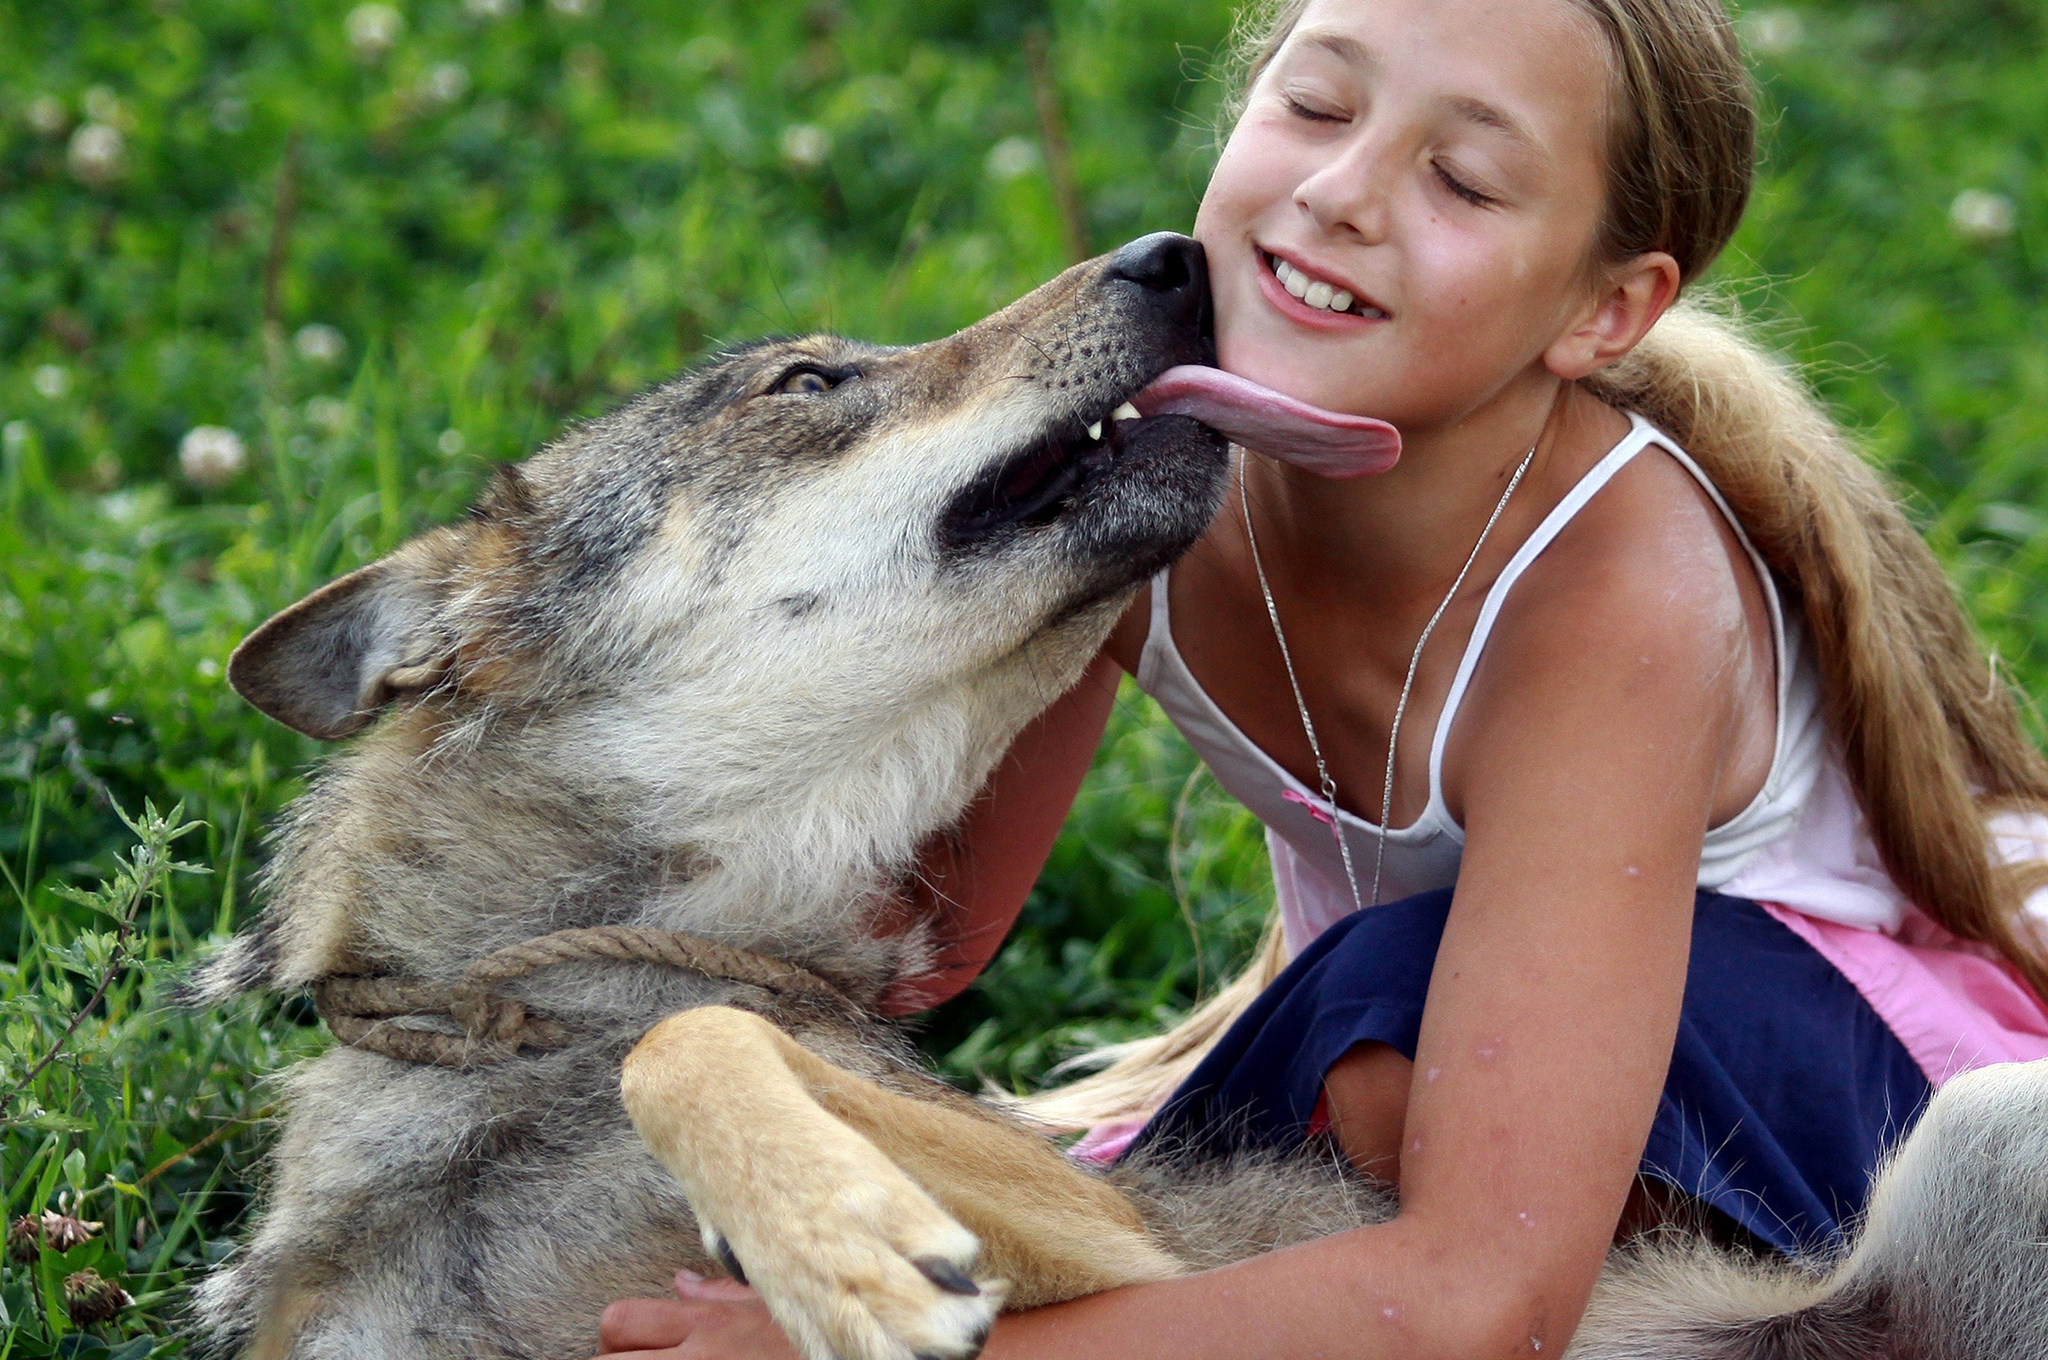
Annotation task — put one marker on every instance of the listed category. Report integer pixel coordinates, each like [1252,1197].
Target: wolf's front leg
[853,1259]
[843,1201]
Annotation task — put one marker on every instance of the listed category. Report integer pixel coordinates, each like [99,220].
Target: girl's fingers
[711,1317]
[645,1324]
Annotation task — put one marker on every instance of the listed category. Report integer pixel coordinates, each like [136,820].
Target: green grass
[512,220]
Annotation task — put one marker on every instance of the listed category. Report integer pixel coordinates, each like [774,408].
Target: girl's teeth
[1324,297]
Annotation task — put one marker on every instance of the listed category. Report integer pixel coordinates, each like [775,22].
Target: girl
[1618,712]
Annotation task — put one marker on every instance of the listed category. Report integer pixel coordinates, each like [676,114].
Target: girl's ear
[1625,304]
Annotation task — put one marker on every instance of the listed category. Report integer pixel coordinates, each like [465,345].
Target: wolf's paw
[870,1272]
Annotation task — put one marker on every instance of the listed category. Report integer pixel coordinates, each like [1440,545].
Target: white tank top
[1801,842]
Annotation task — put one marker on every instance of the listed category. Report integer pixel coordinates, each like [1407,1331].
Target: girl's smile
[1326,299]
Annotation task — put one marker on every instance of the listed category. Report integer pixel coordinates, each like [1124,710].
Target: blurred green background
[279,283]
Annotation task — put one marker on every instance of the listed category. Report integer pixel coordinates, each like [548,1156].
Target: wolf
[714,668]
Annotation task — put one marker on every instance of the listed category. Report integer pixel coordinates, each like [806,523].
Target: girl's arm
[972,883]
[1594,743]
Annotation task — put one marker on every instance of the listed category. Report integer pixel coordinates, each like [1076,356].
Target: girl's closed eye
[1313,106]
[1312,114]
[1463,188]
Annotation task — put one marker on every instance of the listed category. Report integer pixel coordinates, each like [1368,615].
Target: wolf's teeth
[1340,301]
[1095,430]
[1125,412]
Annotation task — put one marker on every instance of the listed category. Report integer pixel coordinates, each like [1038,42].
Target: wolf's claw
[722,1252]
[874,1272]
[946,1275]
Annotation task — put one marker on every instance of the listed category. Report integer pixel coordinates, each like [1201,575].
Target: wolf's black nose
[1166,263]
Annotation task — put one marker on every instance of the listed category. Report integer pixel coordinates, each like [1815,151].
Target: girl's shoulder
[1652,524]
[1647,591]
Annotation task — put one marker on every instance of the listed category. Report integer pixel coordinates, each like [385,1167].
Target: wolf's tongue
[1273,422]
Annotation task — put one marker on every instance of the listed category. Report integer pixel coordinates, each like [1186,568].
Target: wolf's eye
[808,378]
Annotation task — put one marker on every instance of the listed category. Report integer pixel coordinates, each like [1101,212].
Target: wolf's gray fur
[722,662]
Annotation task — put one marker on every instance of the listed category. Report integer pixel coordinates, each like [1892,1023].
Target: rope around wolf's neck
[494,1027]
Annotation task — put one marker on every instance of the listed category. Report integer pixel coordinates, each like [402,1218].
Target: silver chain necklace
[1308,728]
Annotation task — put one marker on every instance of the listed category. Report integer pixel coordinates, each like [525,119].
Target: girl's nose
[1348,194]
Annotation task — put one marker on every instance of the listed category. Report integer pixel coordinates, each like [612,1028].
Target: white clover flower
[211,455]
[373,30]
[47,115]
[320,342]
[51,380]
[451,442]
[1980,216]
[208,668]
[1011,157]
[585,63]
[14,436]
[329,415]
[96,154]
[805,145]
[973,253]
[447,82]
[575,9]
[487,9]
[1773,32]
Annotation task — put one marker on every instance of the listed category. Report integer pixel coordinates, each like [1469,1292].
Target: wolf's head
[770,623]
[805,524]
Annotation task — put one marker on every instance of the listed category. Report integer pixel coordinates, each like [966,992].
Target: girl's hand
[707,1320]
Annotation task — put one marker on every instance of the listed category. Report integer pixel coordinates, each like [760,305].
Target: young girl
[1689,897]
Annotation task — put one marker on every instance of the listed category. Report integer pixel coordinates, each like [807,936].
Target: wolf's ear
[328,663]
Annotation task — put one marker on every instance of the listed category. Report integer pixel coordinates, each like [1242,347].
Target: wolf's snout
[1171,270]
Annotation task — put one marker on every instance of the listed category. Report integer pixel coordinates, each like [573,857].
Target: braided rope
[495,1027]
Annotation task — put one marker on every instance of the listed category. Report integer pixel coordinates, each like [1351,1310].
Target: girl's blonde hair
[1930,734]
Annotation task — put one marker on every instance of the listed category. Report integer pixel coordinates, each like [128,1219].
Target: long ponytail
[1929,732]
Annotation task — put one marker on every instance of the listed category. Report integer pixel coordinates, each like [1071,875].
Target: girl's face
[1439,161]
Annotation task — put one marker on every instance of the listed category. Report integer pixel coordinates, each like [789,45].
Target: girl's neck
[1402,535]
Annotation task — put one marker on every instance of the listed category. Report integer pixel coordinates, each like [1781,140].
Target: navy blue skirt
[1785,1089]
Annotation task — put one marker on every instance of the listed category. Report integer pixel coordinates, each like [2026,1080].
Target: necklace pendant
[1322,812]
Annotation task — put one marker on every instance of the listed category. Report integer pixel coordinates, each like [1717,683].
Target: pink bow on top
[1316,809]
